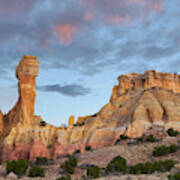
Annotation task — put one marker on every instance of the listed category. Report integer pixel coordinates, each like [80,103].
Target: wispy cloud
[72,90]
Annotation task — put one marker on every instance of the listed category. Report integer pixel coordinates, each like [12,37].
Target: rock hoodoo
[26,72]
[138,103]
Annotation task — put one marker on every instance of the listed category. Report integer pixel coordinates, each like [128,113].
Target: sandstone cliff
[138,103]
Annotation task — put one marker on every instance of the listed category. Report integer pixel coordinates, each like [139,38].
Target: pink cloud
[9,7]
[114,19]
[157,6]
[117,11]
[88,16]
[65,33]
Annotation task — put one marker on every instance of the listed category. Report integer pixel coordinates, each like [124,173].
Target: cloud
[116,11]
[88,16]
[155,52]
[10,8]
[72,90]
[65,33]
[89,36]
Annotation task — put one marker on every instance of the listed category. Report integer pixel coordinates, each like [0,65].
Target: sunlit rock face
[147,80]
[26,72]
[22,113]
[139,103]
[21,127]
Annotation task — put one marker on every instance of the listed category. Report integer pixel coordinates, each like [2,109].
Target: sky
[82,47]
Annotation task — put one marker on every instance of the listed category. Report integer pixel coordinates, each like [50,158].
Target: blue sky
[82,47]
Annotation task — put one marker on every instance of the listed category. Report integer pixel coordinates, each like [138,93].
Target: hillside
[139,102]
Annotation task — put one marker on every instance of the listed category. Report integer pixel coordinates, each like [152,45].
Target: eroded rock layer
[138,103]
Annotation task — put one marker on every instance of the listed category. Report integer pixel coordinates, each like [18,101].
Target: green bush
[118,164]
[18,167]
[67,177]
[68,167]
[164,150]
[77,152]
[140,139]
[72,160]
[151,138]
[151,167]
[70,164]
[172,132]
[160,151]
[174,177]
[88,148]
[43,123]
[123,137]
[50,146]
[93,171]
[136,169]
[164,166]
[41,161]
[173,148]
[36,172]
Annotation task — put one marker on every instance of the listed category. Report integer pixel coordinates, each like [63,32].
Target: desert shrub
[41,161]
[67,177]
[88,148]
[70,164]
[123,137]
[77,152]
[151,138]
[93,171]
[68,168]
[151,167]
[147,168]
[43,123]
[36,172]
[118,164]
[50,146]
[160,151]
[136,169]
[172,132]
[72,160]
[140,139]
[173,148]
[18,167]
[164,166]
[164,150]
[174,177]
[117,141]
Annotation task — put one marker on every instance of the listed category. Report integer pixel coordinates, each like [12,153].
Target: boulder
[12,176]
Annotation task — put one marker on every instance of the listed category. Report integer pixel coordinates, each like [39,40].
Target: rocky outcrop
[139,103]
[147,80]
[21,129]
[23,112]
[71,121]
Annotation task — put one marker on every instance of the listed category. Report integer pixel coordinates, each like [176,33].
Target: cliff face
[147,80]
[139,103]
